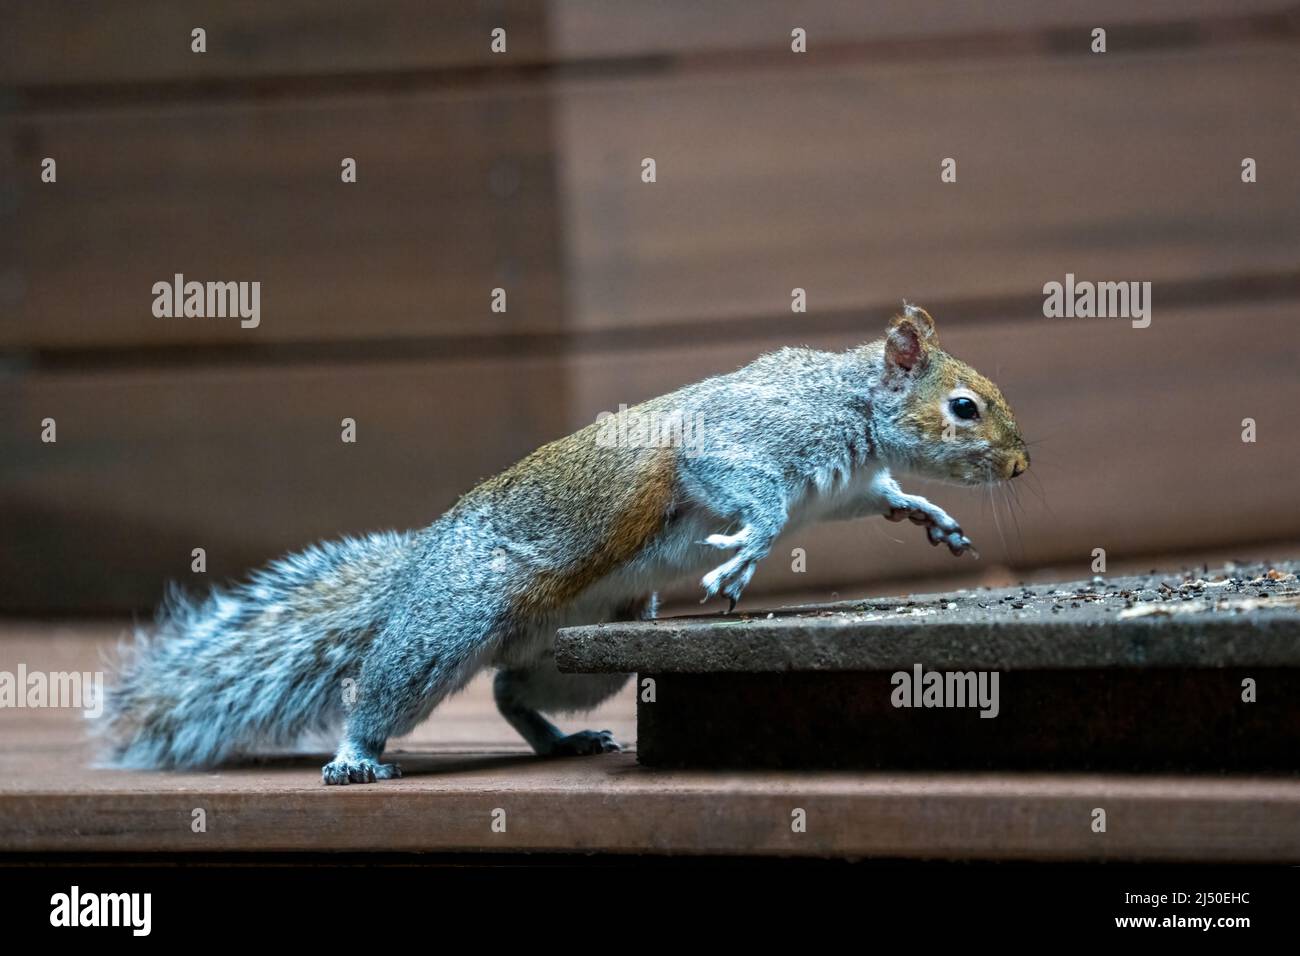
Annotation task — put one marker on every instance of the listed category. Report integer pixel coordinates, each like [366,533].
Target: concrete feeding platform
[1145,673]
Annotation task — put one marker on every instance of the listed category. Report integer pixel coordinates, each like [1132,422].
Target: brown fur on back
[600,505]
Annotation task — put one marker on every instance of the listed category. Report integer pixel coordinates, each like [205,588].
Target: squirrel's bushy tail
[258,665]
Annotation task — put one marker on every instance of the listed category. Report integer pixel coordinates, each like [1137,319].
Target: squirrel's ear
[922,320]
[909,340]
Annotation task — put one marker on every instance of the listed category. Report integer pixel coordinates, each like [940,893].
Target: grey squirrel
[372,633]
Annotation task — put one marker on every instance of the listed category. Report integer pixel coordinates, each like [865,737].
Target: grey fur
[796,436]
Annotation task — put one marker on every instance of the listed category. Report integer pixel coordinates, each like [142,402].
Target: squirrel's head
[943,419]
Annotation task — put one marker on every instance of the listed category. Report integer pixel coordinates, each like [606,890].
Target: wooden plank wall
[775,170]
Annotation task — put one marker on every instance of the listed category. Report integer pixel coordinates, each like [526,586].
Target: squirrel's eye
[964,408]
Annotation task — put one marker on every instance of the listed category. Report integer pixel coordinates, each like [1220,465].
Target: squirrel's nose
[1019,466]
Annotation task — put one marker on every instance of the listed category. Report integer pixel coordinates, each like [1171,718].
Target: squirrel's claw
[962,545]
[956,541]
[939,526]
[729,578]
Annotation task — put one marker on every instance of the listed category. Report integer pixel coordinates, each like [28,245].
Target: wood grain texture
[599,28]
[246,464]
[609,805]
[50,799]
[454,197]
[63,42]
[829,180]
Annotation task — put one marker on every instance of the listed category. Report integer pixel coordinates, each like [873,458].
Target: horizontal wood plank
[1116,167]
[63,42]
[590,28]
[245,464]
[454,197]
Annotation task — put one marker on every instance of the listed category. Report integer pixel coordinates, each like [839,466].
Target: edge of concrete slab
[1139,621]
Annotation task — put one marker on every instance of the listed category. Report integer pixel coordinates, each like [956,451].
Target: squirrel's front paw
[363,770]
[939,526]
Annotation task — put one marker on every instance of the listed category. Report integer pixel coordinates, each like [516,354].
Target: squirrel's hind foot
[584,744]
[338,772]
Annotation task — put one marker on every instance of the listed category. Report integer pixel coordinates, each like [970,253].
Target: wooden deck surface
[465,763]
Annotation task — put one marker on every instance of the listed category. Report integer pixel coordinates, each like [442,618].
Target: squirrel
[372,633]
